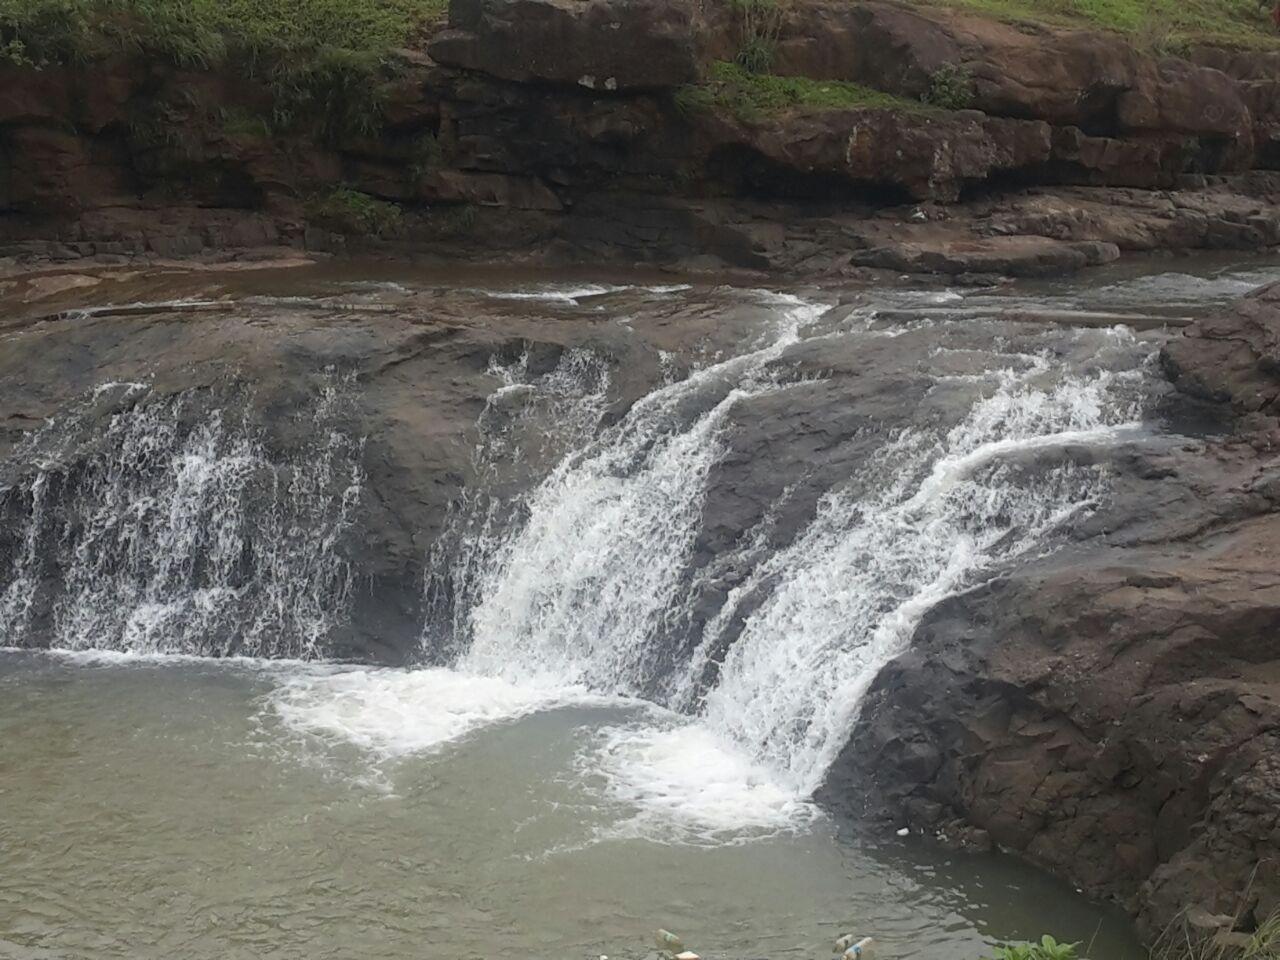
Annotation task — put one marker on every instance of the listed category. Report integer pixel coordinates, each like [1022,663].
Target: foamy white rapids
[567,294]
[683,782]
[395,713]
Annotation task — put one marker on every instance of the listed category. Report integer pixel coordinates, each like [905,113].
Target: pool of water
[180,808]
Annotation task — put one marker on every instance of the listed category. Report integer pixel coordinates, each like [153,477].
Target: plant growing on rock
[355,213]
[426,154]
[950,88]
[761,25]
[693,99]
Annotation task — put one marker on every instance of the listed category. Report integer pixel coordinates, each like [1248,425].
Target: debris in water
[844,942]
[687,955]
[904,831]
[861,950]
[668,941]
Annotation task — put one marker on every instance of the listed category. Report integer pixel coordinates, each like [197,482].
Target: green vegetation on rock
[355,213]
[761,22]
[1179,22]
[736,90]
[950,87]
[326,61]
[205,32]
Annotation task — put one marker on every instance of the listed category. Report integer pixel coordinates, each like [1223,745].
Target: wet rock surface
[1112,712]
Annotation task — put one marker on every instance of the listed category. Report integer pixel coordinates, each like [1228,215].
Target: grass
[1231,22]
[1180,941]
[204,32]
[355,214]
[732,88]
[326,61]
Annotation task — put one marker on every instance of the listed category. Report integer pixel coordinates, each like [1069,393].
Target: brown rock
[929,155]
[1023,256]
[1107,161]
[28,95]
[596,44]
[492,190]
[1061,76]
[1174,96]
[1232,357]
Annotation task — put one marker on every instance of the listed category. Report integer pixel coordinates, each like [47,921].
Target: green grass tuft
[356,214]
[1231,22]
[732,88]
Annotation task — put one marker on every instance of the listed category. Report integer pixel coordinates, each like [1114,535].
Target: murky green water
[178,810]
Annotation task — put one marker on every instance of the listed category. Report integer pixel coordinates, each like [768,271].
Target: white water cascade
[585,588]
[171,530]
[167,526]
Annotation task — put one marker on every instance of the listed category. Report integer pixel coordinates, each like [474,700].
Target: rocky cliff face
[1113,712]
[634,144]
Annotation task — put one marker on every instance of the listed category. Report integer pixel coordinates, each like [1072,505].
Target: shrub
[355,213]
[950,88]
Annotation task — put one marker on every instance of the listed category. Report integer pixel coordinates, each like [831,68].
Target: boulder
[1232,358]
[1108,161]
[929,155]
[1175,96]
[1036,73]
[604,45]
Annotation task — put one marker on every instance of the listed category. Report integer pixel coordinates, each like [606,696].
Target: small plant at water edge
[1046,949]
[950,87]
[352,212]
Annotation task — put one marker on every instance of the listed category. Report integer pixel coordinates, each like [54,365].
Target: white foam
[553,293]
[395,713]
[687,785]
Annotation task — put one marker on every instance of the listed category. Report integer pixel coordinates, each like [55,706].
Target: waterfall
[577,563]
[590,580]
[163,525]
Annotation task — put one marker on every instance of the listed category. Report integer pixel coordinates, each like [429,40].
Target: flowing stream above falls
[690,539]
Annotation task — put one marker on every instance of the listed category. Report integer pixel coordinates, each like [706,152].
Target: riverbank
[862,134]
